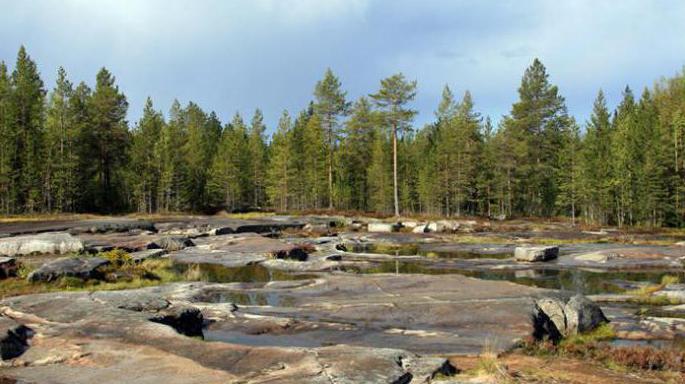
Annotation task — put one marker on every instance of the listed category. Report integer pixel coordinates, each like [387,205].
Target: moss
[602,333]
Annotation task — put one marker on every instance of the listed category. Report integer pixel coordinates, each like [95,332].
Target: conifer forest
[68,147]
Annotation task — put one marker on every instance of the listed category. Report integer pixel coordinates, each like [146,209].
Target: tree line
[72,150]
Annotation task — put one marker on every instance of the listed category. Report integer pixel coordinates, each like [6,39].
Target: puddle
[215,273]
[577,281]
[442,251]
[302,339]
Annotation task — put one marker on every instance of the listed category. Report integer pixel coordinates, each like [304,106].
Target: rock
[420,229]
[356,226]
[8,267]
[140,256]
[82,268]
[174,243]
[58,242]
[383,227]
[555,317]
[533,254]
[13,338]
[680,244]
[449,225]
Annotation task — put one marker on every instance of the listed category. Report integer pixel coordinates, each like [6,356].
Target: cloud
[243,54]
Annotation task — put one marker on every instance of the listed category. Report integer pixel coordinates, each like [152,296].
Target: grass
[590,346]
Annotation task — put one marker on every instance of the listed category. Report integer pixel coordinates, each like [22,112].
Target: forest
[71,149]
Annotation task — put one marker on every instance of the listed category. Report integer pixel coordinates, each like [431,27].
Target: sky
[234,56]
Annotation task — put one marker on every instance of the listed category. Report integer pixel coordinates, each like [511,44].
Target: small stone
[383,227]
[8,267]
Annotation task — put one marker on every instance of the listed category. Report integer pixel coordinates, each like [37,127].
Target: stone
[8,267]
[423,228]
[42,243]
[174,243]
[563,317]
[79,267]
[383,227]
[187,321]
[535,254]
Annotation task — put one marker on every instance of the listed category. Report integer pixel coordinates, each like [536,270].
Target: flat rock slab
[448,314]
[80,267]
[59,243]
[237,250]
[98,338]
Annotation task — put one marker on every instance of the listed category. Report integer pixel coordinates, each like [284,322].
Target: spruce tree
[279,172]
[6,141]
[28,115]
[356,152]
[229,183]
[172,146]
[61,161]
[109,143]
[146,162]
[258,159]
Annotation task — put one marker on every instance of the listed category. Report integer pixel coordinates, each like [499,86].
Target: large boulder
[83,268]
[561,317]
[533,254]
[58,242]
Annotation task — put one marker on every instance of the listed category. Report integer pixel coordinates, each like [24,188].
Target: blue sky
[237,55]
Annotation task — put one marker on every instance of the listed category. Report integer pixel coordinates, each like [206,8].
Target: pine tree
[28,112]
[380,174]
[279,171]
[392,98]
[314,152]
[330,104]
[535,128]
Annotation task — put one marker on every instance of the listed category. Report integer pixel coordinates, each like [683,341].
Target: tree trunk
[394,170]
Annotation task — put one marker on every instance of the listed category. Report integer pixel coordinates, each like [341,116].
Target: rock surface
[58,242]
[237,250]
[78,267]
[92,338]
[534,254]
[383,227]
